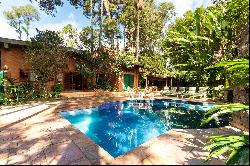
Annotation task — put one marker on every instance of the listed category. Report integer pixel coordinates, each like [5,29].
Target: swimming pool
[119,127]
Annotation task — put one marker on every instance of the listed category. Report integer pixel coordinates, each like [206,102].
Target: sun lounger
[190,92]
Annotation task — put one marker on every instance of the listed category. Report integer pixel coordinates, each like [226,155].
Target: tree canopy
[204,37]
[192,43]
[20,18]
[47,56]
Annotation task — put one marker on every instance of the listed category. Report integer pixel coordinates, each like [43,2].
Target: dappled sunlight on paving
[39,135]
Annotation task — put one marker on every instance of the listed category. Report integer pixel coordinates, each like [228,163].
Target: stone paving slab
[176,147]
[39,135]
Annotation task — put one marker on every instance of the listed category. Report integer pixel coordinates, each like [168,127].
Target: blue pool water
[119,127]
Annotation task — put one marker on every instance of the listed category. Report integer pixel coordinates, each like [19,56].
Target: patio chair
[181,91]
[190,92]
[156,91]
[148,92]
[166,91]
[132,93]
[202,92]
[141,94]
[173,91]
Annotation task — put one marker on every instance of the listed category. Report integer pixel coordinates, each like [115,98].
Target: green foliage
[16,94]
[236,70]
[69,34]
[210,91]
[236,12]
[47,56]
[49,6]
[88,39]
[103,84]
[126,60]
[151,19]
[218,94]
[57,88]
[20,18]
[203,38]
[224,109]
[153,63]
[237,145]
[92,87]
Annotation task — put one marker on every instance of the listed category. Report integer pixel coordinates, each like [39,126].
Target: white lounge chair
[202,92]
[173,91]
[190,92]
[165,91]
[181,91]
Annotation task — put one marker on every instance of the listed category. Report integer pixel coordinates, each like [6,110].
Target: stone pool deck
[37,134]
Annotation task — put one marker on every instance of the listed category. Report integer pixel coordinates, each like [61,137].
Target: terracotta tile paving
[36,134]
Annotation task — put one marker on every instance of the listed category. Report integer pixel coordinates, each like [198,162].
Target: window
[24,75]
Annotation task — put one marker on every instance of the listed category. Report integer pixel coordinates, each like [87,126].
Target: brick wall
[13,57]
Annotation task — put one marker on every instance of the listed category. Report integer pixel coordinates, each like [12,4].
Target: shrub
[26,89]
[2,98]
[92,87]
[104,84]
[57,88]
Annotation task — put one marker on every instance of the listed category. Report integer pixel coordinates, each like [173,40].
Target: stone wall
[241,95]
[241,119]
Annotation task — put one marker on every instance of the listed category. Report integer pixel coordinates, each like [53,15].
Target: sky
[69,15]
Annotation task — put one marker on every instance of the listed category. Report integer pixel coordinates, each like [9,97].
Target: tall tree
[118,13]
[139,7]
[47,56]
[69,34]
[204,37]
[88,39]
[152,20]
[21,17]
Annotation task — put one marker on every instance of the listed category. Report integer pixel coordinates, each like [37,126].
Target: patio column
[171,83]
[136,77]
[166,81]
[72,81]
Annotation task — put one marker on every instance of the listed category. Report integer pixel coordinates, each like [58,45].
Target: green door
[128,81]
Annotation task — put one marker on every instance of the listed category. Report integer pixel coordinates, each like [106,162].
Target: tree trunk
[124,35]
[91,19]
[27,33]
[138,35]
[19,30]
[101,23]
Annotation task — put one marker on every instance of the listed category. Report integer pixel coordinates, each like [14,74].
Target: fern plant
[220,110]
[237,146]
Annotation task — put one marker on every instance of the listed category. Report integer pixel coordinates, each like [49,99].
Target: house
[12,55]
